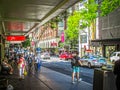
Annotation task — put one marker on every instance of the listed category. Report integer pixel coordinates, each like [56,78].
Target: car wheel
[89,65]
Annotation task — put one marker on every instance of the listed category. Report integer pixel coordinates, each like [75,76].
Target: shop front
[108,46]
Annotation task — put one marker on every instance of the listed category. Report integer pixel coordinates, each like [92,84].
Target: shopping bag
[25,72]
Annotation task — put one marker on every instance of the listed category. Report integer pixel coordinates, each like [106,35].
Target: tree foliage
[107,6]
[86,16]
[71,33]
[89,13]
[73,26]
[26,43]
[81,19]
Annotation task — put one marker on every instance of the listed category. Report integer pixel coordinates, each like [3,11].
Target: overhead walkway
[46,79]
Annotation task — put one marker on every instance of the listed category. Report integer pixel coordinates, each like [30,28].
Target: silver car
[45,55]
[93,61]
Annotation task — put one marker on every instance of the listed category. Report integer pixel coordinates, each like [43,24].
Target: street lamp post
[79,38]
[80,44]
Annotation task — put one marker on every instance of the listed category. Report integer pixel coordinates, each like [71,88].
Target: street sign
[38,49]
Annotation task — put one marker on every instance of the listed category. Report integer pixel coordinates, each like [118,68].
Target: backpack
[74,61]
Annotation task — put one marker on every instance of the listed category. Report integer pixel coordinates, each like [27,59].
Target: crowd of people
[25,62]
[29,61]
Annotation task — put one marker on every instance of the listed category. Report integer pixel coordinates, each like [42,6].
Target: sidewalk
[59,81]
[46,80]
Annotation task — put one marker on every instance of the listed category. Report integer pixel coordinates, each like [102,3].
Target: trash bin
[103,80]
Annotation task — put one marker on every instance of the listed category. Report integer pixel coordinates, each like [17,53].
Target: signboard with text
[15,38]
[15,26]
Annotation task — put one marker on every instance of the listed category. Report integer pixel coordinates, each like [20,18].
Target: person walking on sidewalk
[75,63]
[31,59]
[116,71]
[21,66]
[37,62]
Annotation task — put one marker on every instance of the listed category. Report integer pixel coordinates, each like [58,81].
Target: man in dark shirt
[116,71]
[75,67]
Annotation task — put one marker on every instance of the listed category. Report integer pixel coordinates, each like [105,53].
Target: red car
[65,56]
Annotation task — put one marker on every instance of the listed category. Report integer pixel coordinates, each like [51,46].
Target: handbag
[25,72]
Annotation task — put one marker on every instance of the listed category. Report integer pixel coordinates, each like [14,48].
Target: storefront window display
[109,50]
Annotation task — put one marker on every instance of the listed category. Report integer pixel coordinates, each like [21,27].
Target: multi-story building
[46,37]
[108,33]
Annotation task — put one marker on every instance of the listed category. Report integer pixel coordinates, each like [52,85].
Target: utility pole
[80,43]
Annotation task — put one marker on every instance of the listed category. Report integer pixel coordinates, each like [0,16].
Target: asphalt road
[64,67]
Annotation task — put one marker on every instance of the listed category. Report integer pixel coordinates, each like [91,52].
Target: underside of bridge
[28,14]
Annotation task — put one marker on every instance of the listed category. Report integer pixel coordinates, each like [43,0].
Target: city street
[40,39]
[64,67]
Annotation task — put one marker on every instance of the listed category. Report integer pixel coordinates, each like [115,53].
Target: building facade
[109,33]
[46,37]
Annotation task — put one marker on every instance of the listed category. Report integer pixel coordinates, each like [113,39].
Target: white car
[93,61]
[115,56]
[45,56]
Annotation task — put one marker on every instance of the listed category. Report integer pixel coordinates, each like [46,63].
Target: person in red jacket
[21,66]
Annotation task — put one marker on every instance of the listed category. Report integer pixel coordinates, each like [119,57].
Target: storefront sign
[38,49]
[89,50]
[53,44]
[15,38]
[62,37]
[15,26]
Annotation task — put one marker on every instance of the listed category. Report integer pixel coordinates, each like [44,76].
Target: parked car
[102,60]
[115,56]
[65,56]
[45,55]
[93,61]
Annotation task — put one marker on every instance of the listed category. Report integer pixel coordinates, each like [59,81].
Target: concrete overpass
[26,15]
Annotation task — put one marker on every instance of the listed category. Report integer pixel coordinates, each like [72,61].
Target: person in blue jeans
[37,62]
[75,62]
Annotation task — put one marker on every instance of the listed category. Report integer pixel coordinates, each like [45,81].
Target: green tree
[26,43]
[81,19]
[107,6]
[86,17]
[89,13]
[72,31]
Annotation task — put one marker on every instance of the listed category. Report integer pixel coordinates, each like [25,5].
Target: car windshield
[92,56]
[96,56]
[113,54]
[101,58]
